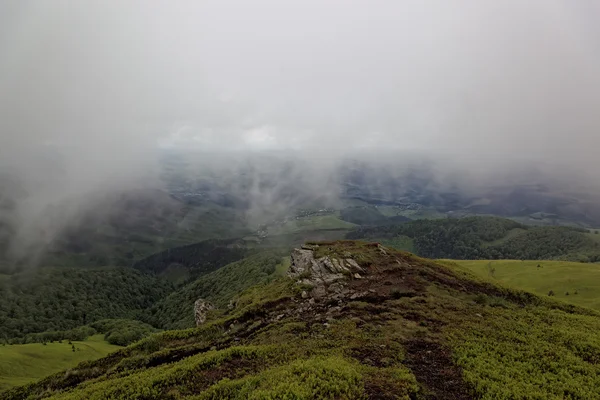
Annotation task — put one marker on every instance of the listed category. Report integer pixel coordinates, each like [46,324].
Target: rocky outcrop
[201,309]
[324,274]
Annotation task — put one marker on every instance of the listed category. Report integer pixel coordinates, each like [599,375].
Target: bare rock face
[324,274]
[201,308]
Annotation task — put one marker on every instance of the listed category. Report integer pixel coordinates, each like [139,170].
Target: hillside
[190,261]
[485,238]
[218,287]
[573,282]
[121,228]
[26,363]
[56,299]
[357,321]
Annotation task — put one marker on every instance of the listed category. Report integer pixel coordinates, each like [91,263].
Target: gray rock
[319,292]
[201,309]
[325,274]
[335,287]
[354,267]
[232,304]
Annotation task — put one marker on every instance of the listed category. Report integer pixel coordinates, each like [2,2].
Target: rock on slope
[356,321]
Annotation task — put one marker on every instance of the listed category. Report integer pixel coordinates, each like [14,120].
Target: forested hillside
[56,299]
[487,238]
[123,228]
[195,259]
[218,287]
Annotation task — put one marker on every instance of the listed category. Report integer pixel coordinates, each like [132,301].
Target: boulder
[201,309]
[323,274]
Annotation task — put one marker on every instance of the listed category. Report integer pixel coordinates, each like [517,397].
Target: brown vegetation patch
[432,365]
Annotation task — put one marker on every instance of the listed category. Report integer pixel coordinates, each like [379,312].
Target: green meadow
[24,363]
[576,283]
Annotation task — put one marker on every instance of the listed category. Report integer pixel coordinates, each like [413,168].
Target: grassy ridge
[580,280]
[408,328]
[25,363]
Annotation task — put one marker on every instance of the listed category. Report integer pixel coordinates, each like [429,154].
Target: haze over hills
[238,195]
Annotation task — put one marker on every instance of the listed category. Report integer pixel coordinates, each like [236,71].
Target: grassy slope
[410,328]
[25,363]
[219,287]
[558,276]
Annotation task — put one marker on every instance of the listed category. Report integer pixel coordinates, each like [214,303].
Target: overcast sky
[511,76]
[106,83]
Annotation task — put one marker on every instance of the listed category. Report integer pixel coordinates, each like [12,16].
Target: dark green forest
[58,299]
[487,238]
[197,259]
[218,287]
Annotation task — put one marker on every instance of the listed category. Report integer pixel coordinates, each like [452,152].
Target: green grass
[24,363]
[559,276]
[516,352]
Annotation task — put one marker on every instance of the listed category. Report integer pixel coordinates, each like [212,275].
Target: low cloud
[90,92]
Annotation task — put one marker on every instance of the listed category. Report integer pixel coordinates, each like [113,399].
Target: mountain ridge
[407,327]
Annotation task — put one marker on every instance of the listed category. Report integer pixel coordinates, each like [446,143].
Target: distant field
[423,213]
[401,242]
[24,363]
[559,276]
[319,222]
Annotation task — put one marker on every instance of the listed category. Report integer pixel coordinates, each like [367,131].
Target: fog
[92,92]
